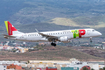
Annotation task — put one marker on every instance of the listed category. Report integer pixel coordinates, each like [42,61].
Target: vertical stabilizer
[11,30]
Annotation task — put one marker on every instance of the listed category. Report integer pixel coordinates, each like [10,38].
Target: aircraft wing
[49,37]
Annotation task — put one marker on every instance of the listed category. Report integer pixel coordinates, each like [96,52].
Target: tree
[85,68]
[92,69]
[103,68]
[100,69]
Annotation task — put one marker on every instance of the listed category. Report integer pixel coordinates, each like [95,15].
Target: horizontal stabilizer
[8,36]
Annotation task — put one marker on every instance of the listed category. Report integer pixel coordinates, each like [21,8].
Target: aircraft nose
[100,33]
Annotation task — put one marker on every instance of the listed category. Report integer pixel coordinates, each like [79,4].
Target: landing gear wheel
[53,44]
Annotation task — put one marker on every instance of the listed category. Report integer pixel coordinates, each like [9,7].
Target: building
[12,66]
[72,63]
[3,67]
[9,62]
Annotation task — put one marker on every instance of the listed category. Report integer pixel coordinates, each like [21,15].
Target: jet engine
[64,39]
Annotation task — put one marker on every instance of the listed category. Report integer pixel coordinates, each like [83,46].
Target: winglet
[37,31]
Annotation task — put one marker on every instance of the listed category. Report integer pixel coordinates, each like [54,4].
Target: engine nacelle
[64,39]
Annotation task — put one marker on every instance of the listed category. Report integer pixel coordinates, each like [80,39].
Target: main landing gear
[53,44]
[90,39]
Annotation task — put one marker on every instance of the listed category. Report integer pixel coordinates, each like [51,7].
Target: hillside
[92,22]
[91,51]
[9,8]
[85,12]
[60,53]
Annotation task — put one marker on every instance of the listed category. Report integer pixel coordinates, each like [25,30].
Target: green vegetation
[102,68]
[85,68]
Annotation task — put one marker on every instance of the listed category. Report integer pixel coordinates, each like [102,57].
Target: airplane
[64,36]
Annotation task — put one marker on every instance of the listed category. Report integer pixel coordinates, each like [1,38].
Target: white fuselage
[70,34]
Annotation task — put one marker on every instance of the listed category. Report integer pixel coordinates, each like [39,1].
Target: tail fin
[11,30]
